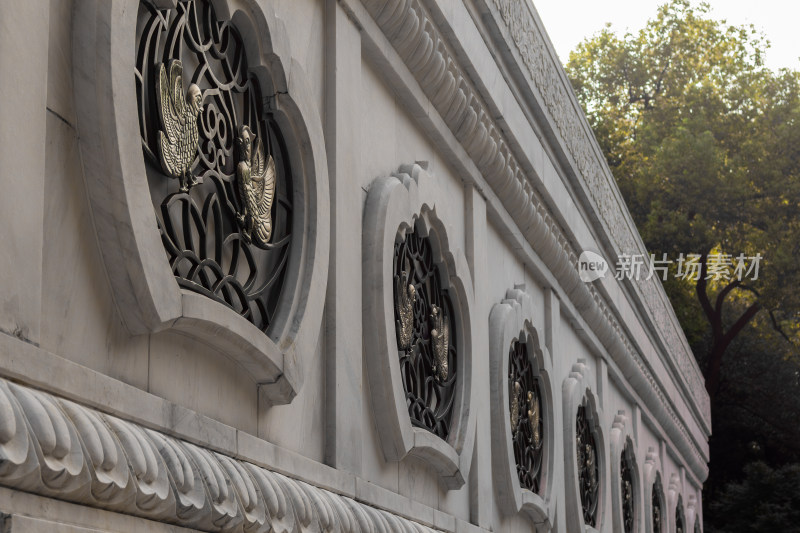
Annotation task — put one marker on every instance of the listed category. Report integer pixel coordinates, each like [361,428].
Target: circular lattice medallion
[426,335]
[205,166]
[585,449]
[417,295]
[217,167]
[522,430]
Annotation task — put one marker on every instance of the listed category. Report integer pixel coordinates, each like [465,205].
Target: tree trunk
[721,339]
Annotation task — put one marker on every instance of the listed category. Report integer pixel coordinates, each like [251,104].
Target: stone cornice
[54,447]
[550,82]
[419,43]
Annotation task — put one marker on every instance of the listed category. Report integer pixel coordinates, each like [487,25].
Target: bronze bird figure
[440,339]
[516,392]
[256,177]
[534,418]
[177,142]
[405,296]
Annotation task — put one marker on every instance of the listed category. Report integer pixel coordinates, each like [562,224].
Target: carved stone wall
[432,361]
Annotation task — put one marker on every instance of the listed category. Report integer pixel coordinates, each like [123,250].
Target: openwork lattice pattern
[626,475]
[658,497]
[588,470]
[679,528]
[206,153]
[426,335]
[527,424]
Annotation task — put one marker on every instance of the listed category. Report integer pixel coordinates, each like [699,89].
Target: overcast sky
[568,22]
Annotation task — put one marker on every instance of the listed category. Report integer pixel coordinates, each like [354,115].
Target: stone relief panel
[522,422]
[585,467]
[417,299]
[57,448]
[205,166]
[215,159]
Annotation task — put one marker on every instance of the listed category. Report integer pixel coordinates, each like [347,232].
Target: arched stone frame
[692,515]
[675,502]
[394,204]
[508,321]
[622,440]
[146,294]
[575,389]
[652,475]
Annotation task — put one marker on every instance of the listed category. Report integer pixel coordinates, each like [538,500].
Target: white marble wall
[60,329]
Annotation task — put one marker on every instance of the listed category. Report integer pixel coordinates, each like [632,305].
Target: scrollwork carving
[58,448]
[527,431]
[588,473]
[426,340]
[658,499]
[226,228]
[628,493]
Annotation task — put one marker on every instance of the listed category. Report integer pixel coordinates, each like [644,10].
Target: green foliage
[704,142]
[766,500]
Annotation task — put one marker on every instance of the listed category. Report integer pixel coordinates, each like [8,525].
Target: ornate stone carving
[121,171]
[626,482]
[421,407]
[679,520]
[522,430]
[405,296]
[544,70]
[222,238]
[588,474]
[440,343]
[428,362]
[526,431]
[419,42]
[57,448]
[177,142]
[657,504]
[256,176]
[585,453]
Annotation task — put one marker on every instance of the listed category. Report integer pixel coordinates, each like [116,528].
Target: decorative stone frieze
[518,416]
[397,205]
[54,447]
[548,79]
[585,467]
[146,291]
[418,40]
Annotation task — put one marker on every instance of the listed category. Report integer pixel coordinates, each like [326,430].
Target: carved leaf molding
[57,448]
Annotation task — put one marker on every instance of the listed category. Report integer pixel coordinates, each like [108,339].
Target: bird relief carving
[178,140]
[405,298]
[534,418]
[440,341]
[255,174]
[515,406]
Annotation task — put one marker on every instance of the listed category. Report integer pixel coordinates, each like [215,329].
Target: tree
[704,142]
[766,500]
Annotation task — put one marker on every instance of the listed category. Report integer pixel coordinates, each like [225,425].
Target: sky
[568,22]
